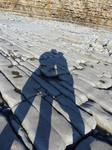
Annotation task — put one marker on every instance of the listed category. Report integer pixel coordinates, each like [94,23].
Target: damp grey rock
[16,76]
[4,62]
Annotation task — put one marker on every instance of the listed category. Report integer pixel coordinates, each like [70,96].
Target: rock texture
[93,13]
[93,144]
[8,139]
[55,84]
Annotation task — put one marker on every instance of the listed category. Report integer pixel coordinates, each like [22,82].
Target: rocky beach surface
[55,85]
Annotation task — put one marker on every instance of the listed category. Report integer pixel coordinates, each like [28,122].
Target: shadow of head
[53,64]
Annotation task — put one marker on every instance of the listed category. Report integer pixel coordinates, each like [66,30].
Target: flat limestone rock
[91,143]
[30,88]
[12,97]
[22,41]
[92,79]
[28,72]
[33,62]
[82,58]
[16,76]
[39,130]
[83,98]
[12,48]
[102,57]
[99,69]
[103,119]
[58,122]
[97,95]
[8,92]
[19,130]
[63,91]
[29,68]
[82,122]
[46,86]
[12,60]
[28,65]
[77,101]
[8,139]
[4,83]
[79,96]
[4,62]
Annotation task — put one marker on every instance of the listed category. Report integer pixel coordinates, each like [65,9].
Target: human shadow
[8,139]
[50,91]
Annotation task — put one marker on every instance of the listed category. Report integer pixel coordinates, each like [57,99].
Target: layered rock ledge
[93,13]
[55,85]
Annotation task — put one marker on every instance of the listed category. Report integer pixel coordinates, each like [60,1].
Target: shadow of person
[50,90]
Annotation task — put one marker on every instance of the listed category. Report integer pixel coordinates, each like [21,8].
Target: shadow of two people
[56,84]
[53,67]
